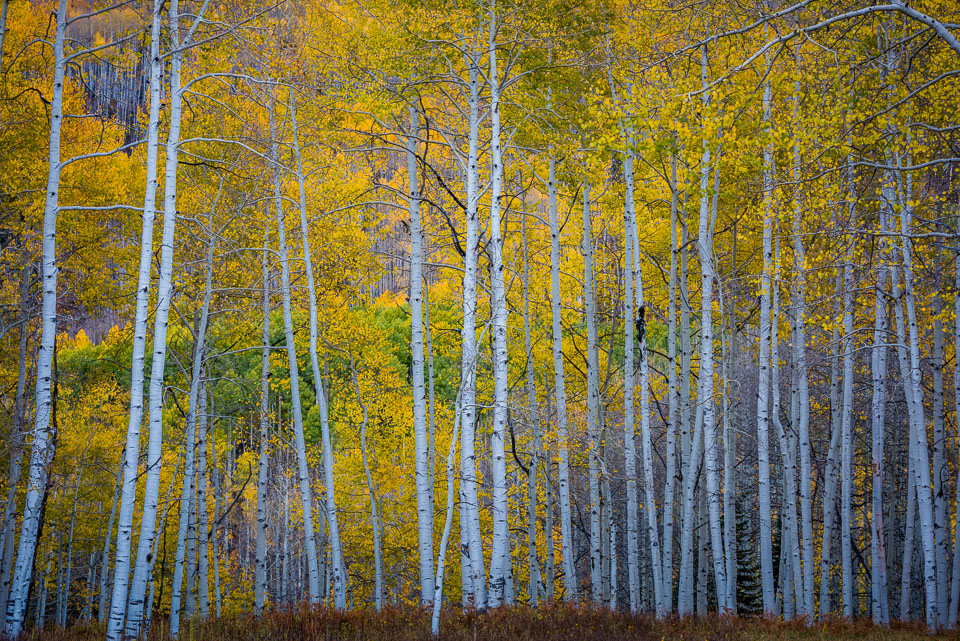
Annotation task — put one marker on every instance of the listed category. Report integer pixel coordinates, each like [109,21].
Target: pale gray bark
[563,474]
[420,433]
[260,569]
[306,495]
[593,402]
[41,454]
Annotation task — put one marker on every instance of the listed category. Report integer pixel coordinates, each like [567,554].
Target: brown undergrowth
[558,623]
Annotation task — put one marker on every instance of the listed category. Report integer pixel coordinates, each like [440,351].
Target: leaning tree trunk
[336,554]
[188,498]
[41,454]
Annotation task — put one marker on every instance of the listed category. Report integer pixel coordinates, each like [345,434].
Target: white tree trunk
[372,490]
[260,570]
[955,579]
[118,602]
[593,403]
[148,530]
[306,496]
[421,437]
[15,446]
[448,521]
[536,445]
[661,607]
[910,371]
[563,473]
[673,404]
[706,396]
[878,559]
[629,446]
[763,384]
[41,454]
[802,383]
[500,553]
[470,514]
[188,499]
[830,474]
[846,434]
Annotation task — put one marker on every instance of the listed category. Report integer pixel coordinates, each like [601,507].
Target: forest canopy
[648,307]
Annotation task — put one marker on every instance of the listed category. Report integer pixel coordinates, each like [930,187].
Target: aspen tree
[41,453]
[563,472]
[500,559]
[144,561]
[536,447]
[706,393]
[188,498]
[763,381]
[593,401]
[801,376]
[469,502]
[313,569]
[421,437]
[260,571]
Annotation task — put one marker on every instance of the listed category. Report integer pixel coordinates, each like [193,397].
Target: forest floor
[520,624]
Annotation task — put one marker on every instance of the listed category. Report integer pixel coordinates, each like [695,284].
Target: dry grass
[558,623]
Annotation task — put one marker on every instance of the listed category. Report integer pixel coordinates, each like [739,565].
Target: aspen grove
[424,305]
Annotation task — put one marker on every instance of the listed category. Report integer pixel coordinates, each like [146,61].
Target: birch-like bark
[15,446]
[41,454]
[830,474]
[629,446]
[470,508]
[673,406]
[661,607]
[563,472]
[955,578]
[912,377]
[791,580]
[104,598]
[879,608]
[306,497]
[906,572]
[448,521]
[500,552]
[593,402]
[941,509]
[711,445]
[536,445]
[260,571]
[685,593]
[118,602]
[846,419]
[203,559]
[802,382]
[421,437]
[763,381]
[188,499]
[372,490]
[151,495]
